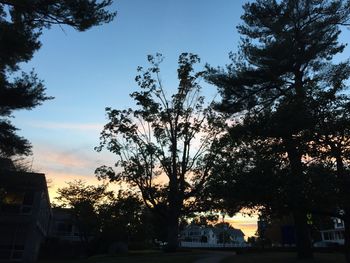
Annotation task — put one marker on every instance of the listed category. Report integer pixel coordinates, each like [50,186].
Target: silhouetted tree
[331,146]
[84,202]
[125,219]
[166,147]
[275,81]
[21,24]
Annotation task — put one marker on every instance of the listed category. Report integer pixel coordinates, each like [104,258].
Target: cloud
[77,158]
[248,224]
[64,159]
[66,126]
[61,164]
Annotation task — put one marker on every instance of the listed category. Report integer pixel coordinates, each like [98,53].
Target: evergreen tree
[331,146]
[275,81]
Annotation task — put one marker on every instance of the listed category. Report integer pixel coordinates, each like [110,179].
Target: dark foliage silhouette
[276,87]
[167,146]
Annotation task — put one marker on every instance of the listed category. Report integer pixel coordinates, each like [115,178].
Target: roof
[22,180]
[217,230]
[231,231]
[12,180]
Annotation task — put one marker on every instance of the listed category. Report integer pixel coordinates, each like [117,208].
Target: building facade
[24,214]
[63,226]
[333,236]
[211,237]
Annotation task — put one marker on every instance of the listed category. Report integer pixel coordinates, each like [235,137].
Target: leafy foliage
[84,202]
[125,219]
[167,146]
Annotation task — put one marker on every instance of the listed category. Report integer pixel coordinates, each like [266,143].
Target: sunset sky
[89,71]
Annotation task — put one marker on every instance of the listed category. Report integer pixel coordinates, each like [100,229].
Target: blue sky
[89,71]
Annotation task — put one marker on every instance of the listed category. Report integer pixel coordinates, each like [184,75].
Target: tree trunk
[344,197]
[302,235]
[173,215]
[298,201]
[173,232]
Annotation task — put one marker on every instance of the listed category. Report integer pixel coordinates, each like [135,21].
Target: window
[13,198]
[339,235]
[328,235]
[17,202]
[339,223]
[12,201]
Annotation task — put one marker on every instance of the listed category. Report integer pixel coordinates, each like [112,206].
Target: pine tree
[275,81]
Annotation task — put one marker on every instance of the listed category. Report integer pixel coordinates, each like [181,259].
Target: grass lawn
[283,257]
[139,257]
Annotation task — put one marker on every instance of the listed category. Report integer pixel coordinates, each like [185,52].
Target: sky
[89,71]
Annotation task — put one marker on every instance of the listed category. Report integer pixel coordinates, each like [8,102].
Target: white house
[335,235]
[211,237]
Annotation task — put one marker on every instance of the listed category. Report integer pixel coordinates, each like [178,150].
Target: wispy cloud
[78,162]
[66,126]
[63,159]
[62,166]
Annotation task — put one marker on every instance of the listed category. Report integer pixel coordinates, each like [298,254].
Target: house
[24,213]
[278,231]
[64,239]
[211,236]
[332,236]
[62,226]
[281,231]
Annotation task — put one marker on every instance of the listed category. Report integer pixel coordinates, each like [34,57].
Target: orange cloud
[248,224]
[61,166]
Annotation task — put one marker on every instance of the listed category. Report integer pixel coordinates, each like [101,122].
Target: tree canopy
[104,218]
[275,89]
[167,146]
[84,202]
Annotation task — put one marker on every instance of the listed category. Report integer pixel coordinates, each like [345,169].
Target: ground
[206,257]
[283,257]
[139,257]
